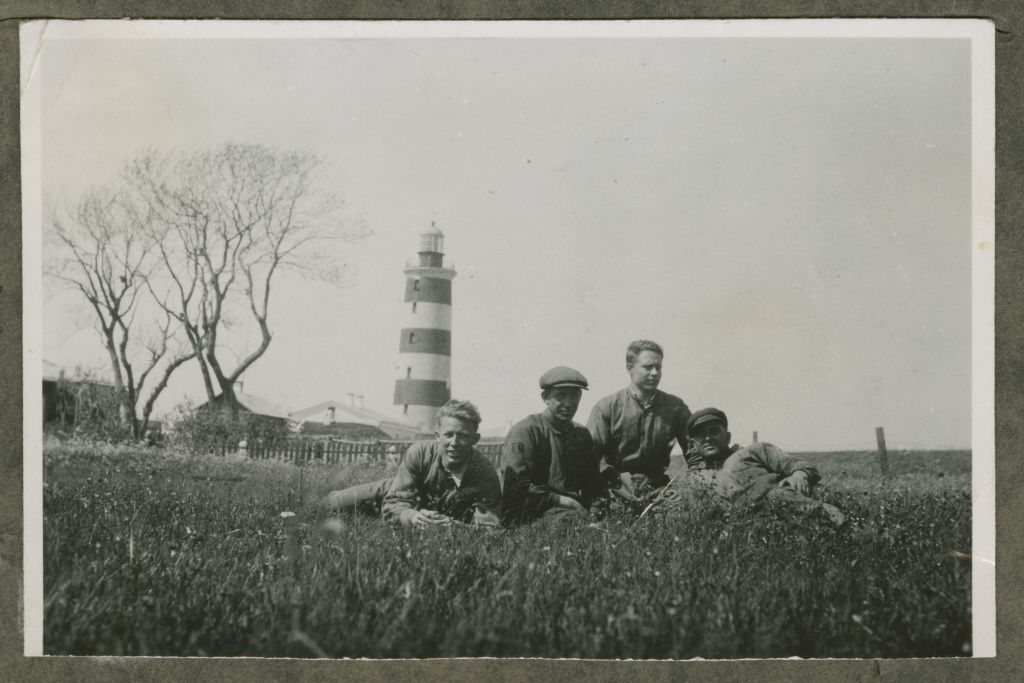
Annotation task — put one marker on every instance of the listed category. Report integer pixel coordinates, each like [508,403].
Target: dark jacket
[748,474]
[632,438]
[542,460]
[422,482]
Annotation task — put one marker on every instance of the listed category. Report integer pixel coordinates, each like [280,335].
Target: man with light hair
[437,483]
[635,429]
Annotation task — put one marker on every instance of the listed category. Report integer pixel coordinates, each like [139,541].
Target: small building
[260,412]
[53,375]
[334,418]
[495,434]
[71,396]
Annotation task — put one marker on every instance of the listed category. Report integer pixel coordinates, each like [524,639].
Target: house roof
[496,432]
[343,430]
[352,415]
[261,406]
[52,372]
[256,405]
[346,413]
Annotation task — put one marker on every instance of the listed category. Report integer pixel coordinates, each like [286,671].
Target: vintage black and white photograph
[647,340]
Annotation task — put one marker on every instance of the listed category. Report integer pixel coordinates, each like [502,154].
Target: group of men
[552,466]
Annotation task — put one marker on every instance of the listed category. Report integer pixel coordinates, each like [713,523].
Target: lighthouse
[425,347]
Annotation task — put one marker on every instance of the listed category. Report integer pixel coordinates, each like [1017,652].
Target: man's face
[712,441]
[645,372]
[458,437]
[562,402]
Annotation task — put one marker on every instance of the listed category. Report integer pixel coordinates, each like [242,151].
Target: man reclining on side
[761,471]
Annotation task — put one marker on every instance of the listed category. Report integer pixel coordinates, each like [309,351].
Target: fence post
[883,455]
[755,436]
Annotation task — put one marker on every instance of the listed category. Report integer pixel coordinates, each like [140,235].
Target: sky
[790,218]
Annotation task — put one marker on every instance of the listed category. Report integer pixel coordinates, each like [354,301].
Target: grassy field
[147,553]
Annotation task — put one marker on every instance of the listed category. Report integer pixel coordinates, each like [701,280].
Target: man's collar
[444,466]
[639,399]
[553,424]
[454,473]
[732,449]
[717,464]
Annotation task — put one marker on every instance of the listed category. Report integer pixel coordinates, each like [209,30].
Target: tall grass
[151,554]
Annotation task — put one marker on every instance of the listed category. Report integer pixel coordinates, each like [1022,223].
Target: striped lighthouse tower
[425,349]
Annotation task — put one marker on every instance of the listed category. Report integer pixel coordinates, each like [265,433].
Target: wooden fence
[337,452]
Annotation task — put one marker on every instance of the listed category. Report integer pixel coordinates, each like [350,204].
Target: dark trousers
[364,498]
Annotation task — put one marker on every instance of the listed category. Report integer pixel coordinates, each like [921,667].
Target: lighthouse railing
[413,263]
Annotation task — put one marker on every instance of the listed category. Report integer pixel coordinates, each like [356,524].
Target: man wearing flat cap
[635,429]
[548,463]
[759,472]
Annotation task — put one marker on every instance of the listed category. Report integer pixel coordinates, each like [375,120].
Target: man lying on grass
[548,462]
[759,472]
[437,482]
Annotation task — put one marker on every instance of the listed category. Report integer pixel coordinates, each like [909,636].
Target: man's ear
[728,438]
[476,439]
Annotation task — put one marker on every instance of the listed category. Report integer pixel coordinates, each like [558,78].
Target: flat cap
[562,376]
[705,415]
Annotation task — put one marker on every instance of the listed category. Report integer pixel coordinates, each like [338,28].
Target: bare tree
[100,250]
[224,224]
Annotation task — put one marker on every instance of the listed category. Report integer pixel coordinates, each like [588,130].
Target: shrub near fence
[337,452]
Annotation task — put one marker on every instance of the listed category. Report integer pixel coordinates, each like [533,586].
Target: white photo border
[980,32]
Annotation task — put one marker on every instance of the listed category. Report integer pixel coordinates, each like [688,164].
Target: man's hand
[485,518]
[568,503]
[627,484]
[834,515]
[430,518]
[798,482]
[667,495]
[694,459]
